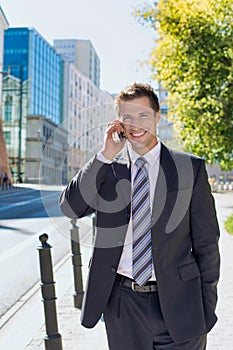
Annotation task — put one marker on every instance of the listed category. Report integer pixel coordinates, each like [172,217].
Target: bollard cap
[43,238]
[73,222]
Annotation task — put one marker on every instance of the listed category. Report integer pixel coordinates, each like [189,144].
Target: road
[24,215]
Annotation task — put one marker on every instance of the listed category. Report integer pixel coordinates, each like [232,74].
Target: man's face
[139,121]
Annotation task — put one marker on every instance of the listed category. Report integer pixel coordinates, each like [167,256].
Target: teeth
[139,134]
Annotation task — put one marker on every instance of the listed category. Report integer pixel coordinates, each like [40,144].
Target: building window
[7,136]
[8,109]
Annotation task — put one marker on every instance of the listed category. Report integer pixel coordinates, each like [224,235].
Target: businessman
[154,269]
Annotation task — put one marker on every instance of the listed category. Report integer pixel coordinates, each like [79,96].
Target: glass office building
[29,57]
[32,106]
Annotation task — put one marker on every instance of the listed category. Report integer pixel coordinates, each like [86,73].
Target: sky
[120,42]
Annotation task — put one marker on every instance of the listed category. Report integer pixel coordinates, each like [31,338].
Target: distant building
[83,55]
[4,164]
[87,109]
[165,130]
[32,87]
[165,127]
[3,26]
[215,173]
[41,68]
[46,149]
[54,112]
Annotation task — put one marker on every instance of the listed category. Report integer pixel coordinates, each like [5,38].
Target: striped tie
[141,221]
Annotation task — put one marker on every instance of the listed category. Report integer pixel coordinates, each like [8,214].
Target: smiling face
[139,121]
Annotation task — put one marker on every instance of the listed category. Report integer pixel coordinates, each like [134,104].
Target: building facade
[14,108]
[46,150]
[28,56]
[165,127]
[4,164]
[88,109]
[32,87]
[83,55]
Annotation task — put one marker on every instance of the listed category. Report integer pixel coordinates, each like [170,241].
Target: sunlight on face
[139,121]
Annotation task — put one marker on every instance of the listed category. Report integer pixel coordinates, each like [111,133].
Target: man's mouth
[138,134]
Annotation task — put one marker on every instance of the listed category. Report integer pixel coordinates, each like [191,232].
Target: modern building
[87,109]
[4,164]
[14,110]
[46,148]
[32,87]
[165,127]
[83,55]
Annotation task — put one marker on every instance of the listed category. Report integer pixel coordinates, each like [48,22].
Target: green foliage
[229,224]
[193,60]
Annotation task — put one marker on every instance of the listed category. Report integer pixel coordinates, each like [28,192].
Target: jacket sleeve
[205,235]
[80,196]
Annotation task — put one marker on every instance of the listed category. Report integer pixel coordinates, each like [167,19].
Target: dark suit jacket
[185,237]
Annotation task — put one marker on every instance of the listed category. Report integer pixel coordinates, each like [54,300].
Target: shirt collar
[151,156]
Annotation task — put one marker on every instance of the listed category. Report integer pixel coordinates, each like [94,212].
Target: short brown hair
[137,90]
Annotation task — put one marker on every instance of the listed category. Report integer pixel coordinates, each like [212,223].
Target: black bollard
[77,265]
[52,338]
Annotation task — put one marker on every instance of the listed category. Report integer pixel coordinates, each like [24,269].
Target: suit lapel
[121,168]
[167,180]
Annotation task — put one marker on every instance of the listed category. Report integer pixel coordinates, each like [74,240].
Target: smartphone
[121,136]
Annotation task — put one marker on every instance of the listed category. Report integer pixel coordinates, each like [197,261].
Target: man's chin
[138,147]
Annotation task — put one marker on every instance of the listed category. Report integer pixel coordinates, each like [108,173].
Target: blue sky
[119,40]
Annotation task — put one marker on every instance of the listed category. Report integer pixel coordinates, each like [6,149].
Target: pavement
[23,328]
[14,188]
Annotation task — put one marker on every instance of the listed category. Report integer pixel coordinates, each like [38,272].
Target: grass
[229,224]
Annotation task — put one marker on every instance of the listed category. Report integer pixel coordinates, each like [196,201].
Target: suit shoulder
[179,154]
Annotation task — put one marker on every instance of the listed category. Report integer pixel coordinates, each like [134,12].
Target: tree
[193,60]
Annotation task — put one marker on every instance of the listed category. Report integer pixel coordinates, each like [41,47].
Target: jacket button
[113,269]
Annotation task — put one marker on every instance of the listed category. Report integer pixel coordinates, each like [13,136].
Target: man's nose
[136,123]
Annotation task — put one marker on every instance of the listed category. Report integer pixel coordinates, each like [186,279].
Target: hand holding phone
[114,139]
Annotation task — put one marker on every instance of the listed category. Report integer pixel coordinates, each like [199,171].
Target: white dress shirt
[153,160]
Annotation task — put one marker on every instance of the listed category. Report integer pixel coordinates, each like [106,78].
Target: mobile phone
[121,136]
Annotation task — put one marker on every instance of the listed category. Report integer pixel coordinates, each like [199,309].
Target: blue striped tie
[141,222]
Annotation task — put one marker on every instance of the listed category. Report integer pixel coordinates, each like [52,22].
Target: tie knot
[140,162]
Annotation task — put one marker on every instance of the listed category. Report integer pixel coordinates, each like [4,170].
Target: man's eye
[127,120]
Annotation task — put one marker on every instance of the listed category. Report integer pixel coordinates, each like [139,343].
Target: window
[8,109]
[7,136]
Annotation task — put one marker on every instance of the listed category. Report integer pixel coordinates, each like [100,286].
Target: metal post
[77,265]
[52,338]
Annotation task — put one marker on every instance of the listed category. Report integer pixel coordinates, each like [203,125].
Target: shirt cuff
[102,158]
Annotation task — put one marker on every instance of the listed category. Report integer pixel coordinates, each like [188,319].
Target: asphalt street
[24,216]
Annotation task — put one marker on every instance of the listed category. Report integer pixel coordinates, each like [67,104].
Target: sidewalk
[30,187]
[76,337]
[221,337]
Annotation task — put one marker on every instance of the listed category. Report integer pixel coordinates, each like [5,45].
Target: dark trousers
[134,321]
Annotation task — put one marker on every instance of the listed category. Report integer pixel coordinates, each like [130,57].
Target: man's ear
[157,116]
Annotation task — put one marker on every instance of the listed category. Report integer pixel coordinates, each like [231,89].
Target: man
[155,264]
